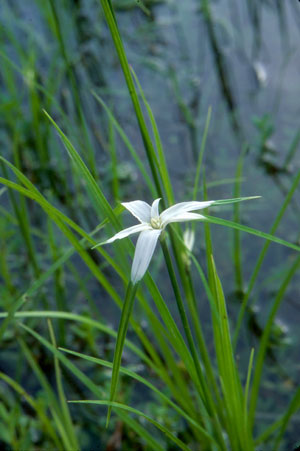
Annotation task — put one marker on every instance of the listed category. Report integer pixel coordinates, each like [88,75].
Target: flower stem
[209,403]
[122,330]
[188,288]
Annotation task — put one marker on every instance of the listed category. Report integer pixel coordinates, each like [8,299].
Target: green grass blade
[268,432]
[60,297]
[204,391]
[238,430]
[54,213]
[200,157]
[232,201]
[201,344]
[159,426]
[282,423]
[140,4]
[14,307]
[122,330]
[113,26]
[262,254]
[265,338]
[128,144]
[247,387]
[161,163]
[148,384]
[21,214]
[237,251]
[57,217]
[153,364]
[243,228]
[207,288]
[178,345]
[97,195]
[50,395]
[48,427]
[85,320]
[68,424]
[95,389]
[34,194]
[293,408]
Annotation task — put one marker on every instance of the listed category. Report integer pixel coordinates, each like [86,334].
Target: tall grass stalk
[111,21]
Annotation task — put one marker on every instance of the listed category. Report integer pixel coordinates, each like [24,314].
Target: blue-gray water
[244,64]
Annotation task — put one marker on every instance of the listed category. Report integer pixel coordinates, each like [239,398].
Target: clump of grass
[189,365]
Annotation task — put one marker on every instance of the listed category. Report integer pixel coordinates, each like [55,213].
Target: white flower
[151,226]
[189,239]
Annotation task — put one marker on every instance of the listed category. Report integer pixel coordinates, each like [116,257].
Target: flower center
[155,223]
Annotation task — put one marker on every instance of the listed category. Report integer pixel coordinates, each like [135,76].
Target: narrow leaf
[243,228]
[139,413]
[122,330]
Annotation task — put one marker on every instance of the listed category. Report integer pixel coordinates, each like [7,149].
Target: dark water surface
[242,59]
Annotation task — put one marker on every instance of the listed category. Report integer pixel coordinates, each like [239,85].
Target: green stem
[265,340]
[261,257]
[122,331]
[237,251]
[209,404]
[200,340]
[150,151]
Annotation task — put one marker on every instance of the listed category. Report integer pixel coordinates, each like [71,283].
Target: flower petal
[183,207]
[189,238]
[154,209]
[184,217]
[140,209]
[129,231]
[143,253]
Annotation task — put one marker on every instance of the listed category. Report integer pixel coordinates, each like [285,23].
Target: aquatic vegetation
[206,352]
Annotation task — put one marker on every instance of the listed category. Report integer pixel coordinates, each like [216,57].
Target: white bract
[151,226]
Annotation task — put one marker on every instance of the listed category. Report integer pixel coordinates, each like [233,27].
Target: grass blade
[97,195]
[237,426]
[95,389]
[128,144]
[113,26]
[122,330]
[148,384]
[62,399]
[200,157]
[159,426]
[48,427]
[243,228]
[262,254]
[265,338]
[161,163]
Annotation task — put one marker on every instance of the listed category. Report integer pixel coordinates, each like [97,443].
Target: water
[244,63]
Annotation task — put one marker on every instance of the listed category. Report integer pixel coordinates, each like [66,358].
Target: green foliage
[180,371]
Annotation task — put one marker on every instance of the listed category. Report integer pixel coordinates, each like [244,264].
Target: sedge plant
[195,376]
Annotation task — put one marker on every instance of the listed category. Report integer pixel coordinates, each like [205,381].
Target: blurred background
[239,57]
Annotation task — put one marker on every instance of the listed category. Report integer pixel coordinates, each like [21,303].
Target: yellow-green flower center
[155,223]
